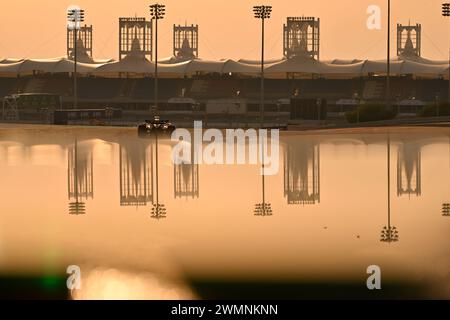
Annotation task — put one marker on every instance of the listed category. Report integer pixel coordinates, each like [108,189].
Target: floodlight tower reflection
[158,209]
[389,233]
[263,209]
[446,205]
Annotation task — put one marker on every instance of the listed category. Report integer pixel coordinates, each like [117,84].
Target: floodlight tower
[446,13]
[75,16]
[157,12]
[262,12]
[388,76]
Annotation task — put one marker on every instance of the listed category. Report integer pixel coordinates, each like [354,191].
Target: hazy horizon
[227,29]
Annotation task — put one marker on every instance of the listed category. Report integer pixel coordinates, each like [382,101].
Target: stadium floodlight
[262,12]
[388,60]
[157,12]
[446,13]
[75,16]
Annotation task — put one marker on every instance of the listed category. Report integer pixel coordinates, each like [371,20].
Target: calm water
[84,196]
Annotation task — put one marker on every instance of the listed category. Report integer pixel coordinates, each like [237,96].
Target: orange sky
[36,29]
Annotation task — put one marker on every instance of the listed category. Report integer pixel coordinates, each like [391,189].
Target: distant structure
[185,41]
[302,173]
[135,35]
[186,179]
[409,170]
[409,40]
[80,178]
[136,178]
[301,37]
[83,43]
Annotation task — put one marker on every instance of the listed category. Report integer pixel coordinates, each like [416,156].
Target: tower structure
[185,41]
[136,178]
[186,178]
[409,170]
[302,173]
[301,37]
[83,43]
[409,40]
[135,36]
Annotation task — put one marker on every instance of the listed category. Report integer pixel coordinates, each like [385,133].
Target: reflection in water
[345,230]
[263,209]
[389,233]
[80,177]
[136,179]
[158,209]
[113,284]
[302,173]
[446,205]
[409,169]
[186,178]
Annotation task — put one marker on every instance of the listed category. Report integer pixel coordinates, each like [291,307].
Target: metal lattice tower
[135,36]
[409,170]
[80,178]
[301,37]
[409,40]
[136,179]
[84,43]
[302,173]
[185,41]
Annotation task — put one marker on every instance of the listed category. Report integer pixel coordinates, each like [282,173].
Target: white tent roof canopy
[303,65]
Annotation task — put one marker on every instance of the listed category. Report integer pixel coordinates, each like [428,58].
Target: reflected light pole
[446,206]
[389,233]
[263,209]
[74,18]
[263,13]
[158,209]
[157,12]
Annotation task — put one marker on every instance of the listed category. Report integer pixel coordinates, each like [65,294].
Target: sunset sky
[36,29]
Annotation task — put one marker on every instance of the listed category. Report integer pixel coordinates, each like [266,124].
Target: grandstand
[128,83]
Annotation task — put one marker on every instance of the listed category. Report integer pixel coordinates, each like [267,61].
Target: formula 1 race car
[155,126]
